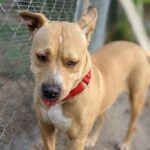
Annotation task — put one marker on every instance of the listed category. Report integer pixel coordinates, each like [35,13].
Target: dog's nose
[51,91]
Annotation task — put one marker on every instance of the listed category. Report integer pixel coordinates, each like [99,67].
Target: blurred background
[118,20]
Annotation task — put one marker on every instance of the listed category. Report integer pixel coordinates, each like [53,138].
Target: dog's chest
[56,116]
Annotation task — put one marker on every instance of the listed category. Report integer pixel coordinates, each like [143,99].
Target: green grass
[13,50]
[1,1]
[147,1]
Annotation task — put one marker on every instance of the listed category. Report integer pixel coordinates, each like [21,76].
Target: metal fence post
[100,31]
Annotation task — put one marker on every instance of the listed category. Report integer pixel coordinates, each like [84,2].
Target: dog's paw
[90,143]
[123,147]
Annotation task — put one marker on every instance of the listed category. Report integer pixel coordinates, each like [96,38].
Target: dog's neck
[87,65]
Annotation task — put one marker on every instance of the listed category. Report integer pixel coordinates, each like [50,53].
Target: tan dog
[60,62]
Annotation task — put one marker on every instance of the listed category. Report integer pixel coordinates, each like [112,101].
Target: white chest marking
[56,117]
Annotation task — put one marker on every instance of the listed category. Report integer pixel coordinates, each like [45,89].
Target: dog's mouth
[50,102]
[53,101]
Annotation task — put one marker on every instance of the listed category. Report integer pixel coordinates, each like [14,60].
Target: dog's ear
[88,23]
[33,20]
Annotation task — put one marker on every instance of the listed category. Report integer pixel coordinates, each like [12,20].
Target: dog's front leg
[78,135]
[47,130]
[48,135]
[77,143]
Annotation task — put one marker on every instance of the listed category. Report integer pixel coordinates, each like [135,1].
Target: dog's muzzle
[51,92]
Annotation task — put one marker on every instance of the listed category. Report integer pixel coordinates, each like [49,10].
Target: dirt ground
[18,127]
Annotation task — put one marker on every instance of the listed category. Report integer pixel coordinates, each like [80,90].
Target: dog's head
[59,57]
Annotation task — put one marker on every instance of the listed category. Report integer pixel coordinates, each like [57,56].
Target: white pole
[136,23]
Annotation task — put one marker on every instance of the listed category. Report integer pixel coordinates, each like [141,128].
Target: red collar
[75,91]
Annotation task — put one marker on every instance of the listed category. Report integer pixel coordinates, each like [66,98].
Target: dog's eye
[42,58]
[71,63]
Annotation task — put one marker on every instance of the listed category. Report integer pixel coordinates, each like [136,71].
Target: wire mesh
[17,122]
